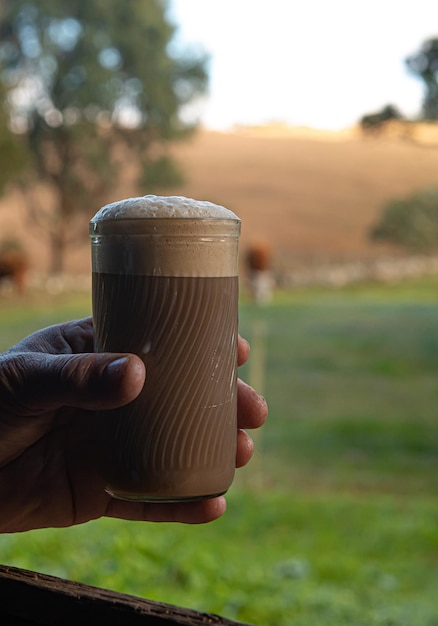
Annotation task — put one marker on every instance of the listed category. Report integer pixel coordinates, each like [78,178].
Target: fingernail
[115,370]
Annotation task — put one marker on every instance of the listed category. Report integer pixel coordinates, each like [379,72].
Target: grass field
[335,521]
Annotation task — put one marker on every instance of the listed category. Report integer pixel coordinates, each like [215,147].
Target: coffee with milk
[165,287]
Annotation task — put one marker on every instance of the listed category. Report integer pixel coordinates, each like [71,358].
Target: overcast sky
[315,63]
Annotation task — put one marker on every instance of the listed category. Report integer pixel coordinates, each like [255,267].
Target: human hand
[50,386]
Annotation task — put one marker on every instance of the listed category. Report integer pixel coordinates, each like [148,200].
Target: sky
[316,63]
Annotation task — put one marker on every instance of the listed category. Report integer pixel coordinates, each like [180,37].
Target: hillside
[310,194]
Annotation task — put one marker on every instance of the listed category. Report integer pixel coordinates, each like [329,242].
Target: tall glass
[166,289]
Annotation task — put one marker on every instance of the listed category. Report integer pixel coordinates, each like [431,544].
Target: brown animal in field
[13,266]
[259,257]
[258,262]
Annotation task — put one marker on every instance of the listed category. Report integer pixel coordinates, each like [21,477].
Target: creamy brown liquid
[177,440]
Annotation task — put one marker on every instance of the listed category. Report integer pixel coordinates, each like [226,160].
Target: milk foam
[162,206]
[165,236]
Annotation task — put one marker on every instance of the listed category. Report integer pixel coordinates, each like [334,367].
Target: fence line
[339,274]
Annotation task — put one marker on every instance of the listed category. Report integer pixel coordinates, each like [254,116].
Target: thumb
[37,382]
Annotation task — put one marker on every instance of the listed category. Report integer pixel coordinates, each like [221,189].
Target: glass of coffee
[165,287]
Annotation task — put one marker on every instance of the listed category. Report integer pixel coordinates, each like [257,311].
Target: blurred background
[317,124]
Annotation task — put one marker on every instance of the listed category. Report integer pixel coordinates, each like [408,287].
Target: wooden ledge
[32,599]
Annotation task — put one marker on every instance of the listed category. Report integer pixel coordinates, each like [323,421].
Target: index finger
[67,338]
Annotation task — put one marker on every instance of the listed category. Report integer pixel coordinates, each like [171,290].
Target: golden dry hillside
[314,194]
[311,194]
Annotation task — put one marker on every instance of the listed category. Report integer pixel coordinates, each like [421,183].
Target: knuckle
[75,372]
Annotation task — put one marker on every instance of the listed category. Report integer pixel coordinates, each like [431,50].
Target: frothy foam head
[162,206]
[165,236]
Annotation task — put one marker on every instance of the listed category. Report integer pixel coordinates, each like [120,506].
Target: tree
[375,121]
[92,86]
[411,222]
[424,65]
[13,158]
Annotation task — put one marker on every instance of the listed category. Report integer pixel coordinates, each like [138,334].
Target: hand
[50,384]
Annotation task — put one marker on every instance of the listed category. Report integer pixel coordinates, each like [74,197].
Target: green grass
[351,381]
[335,521]
[275,558]
[22,316]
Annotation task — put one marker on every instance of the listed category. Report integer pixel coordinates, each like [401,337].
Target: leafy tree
[411,222]
[424,65]
[91,86]
[12,154]
[374,121]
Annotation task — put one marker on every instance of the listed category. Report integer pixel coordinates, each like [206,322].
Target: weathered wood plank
[31,599]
